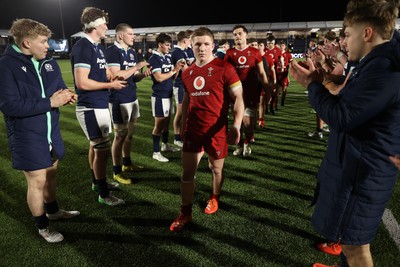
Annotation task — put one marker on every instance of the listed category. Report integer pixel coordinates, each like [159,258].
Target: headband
[94,24]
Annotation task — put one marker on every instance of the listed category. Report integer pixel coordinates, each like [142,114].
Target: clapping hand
[62,97]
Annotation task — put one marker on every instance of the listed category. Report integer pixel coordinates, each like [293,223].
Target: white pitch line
[392,226]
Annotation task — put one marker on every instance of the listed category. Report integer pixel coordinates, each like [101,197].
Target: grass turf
[264,216]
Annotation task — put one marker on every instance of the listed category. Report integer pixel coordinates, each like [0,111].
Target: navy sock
[51,207]
[126,161]
[178,137]
[165,136]
[117,169]
[156,143]
[102,188]
[41,221]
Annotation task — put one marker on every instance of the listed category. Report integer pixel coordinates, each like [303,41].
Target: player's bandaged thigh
[249,112]
[102,143]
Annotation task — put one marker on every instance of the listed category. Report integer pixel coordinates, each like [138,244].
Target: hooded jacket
[32,125]
[356,176]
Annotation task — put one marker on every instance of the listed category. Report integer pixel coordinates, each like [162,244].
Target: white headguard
[94,24]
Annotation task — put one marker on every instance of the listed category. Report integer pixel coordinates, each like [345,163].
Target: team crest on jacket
[199,83]
[242,60]
[48,67]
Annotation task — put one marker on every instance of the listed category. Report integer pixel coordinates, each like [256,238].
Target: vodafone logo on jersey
[199,83]
[242,60]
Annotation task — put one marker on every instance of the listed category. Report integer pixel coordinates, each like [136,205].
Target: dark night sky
[145,13]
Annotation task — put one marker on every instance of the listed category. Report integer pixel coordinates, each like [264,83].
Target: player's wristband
[236,126]
[173,72]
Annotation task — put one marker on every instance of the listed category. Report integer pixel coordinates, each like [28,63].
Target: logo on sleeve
[48,67]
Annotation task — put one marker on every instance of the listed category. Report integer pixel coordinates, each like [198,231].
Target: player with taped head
[93,79]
